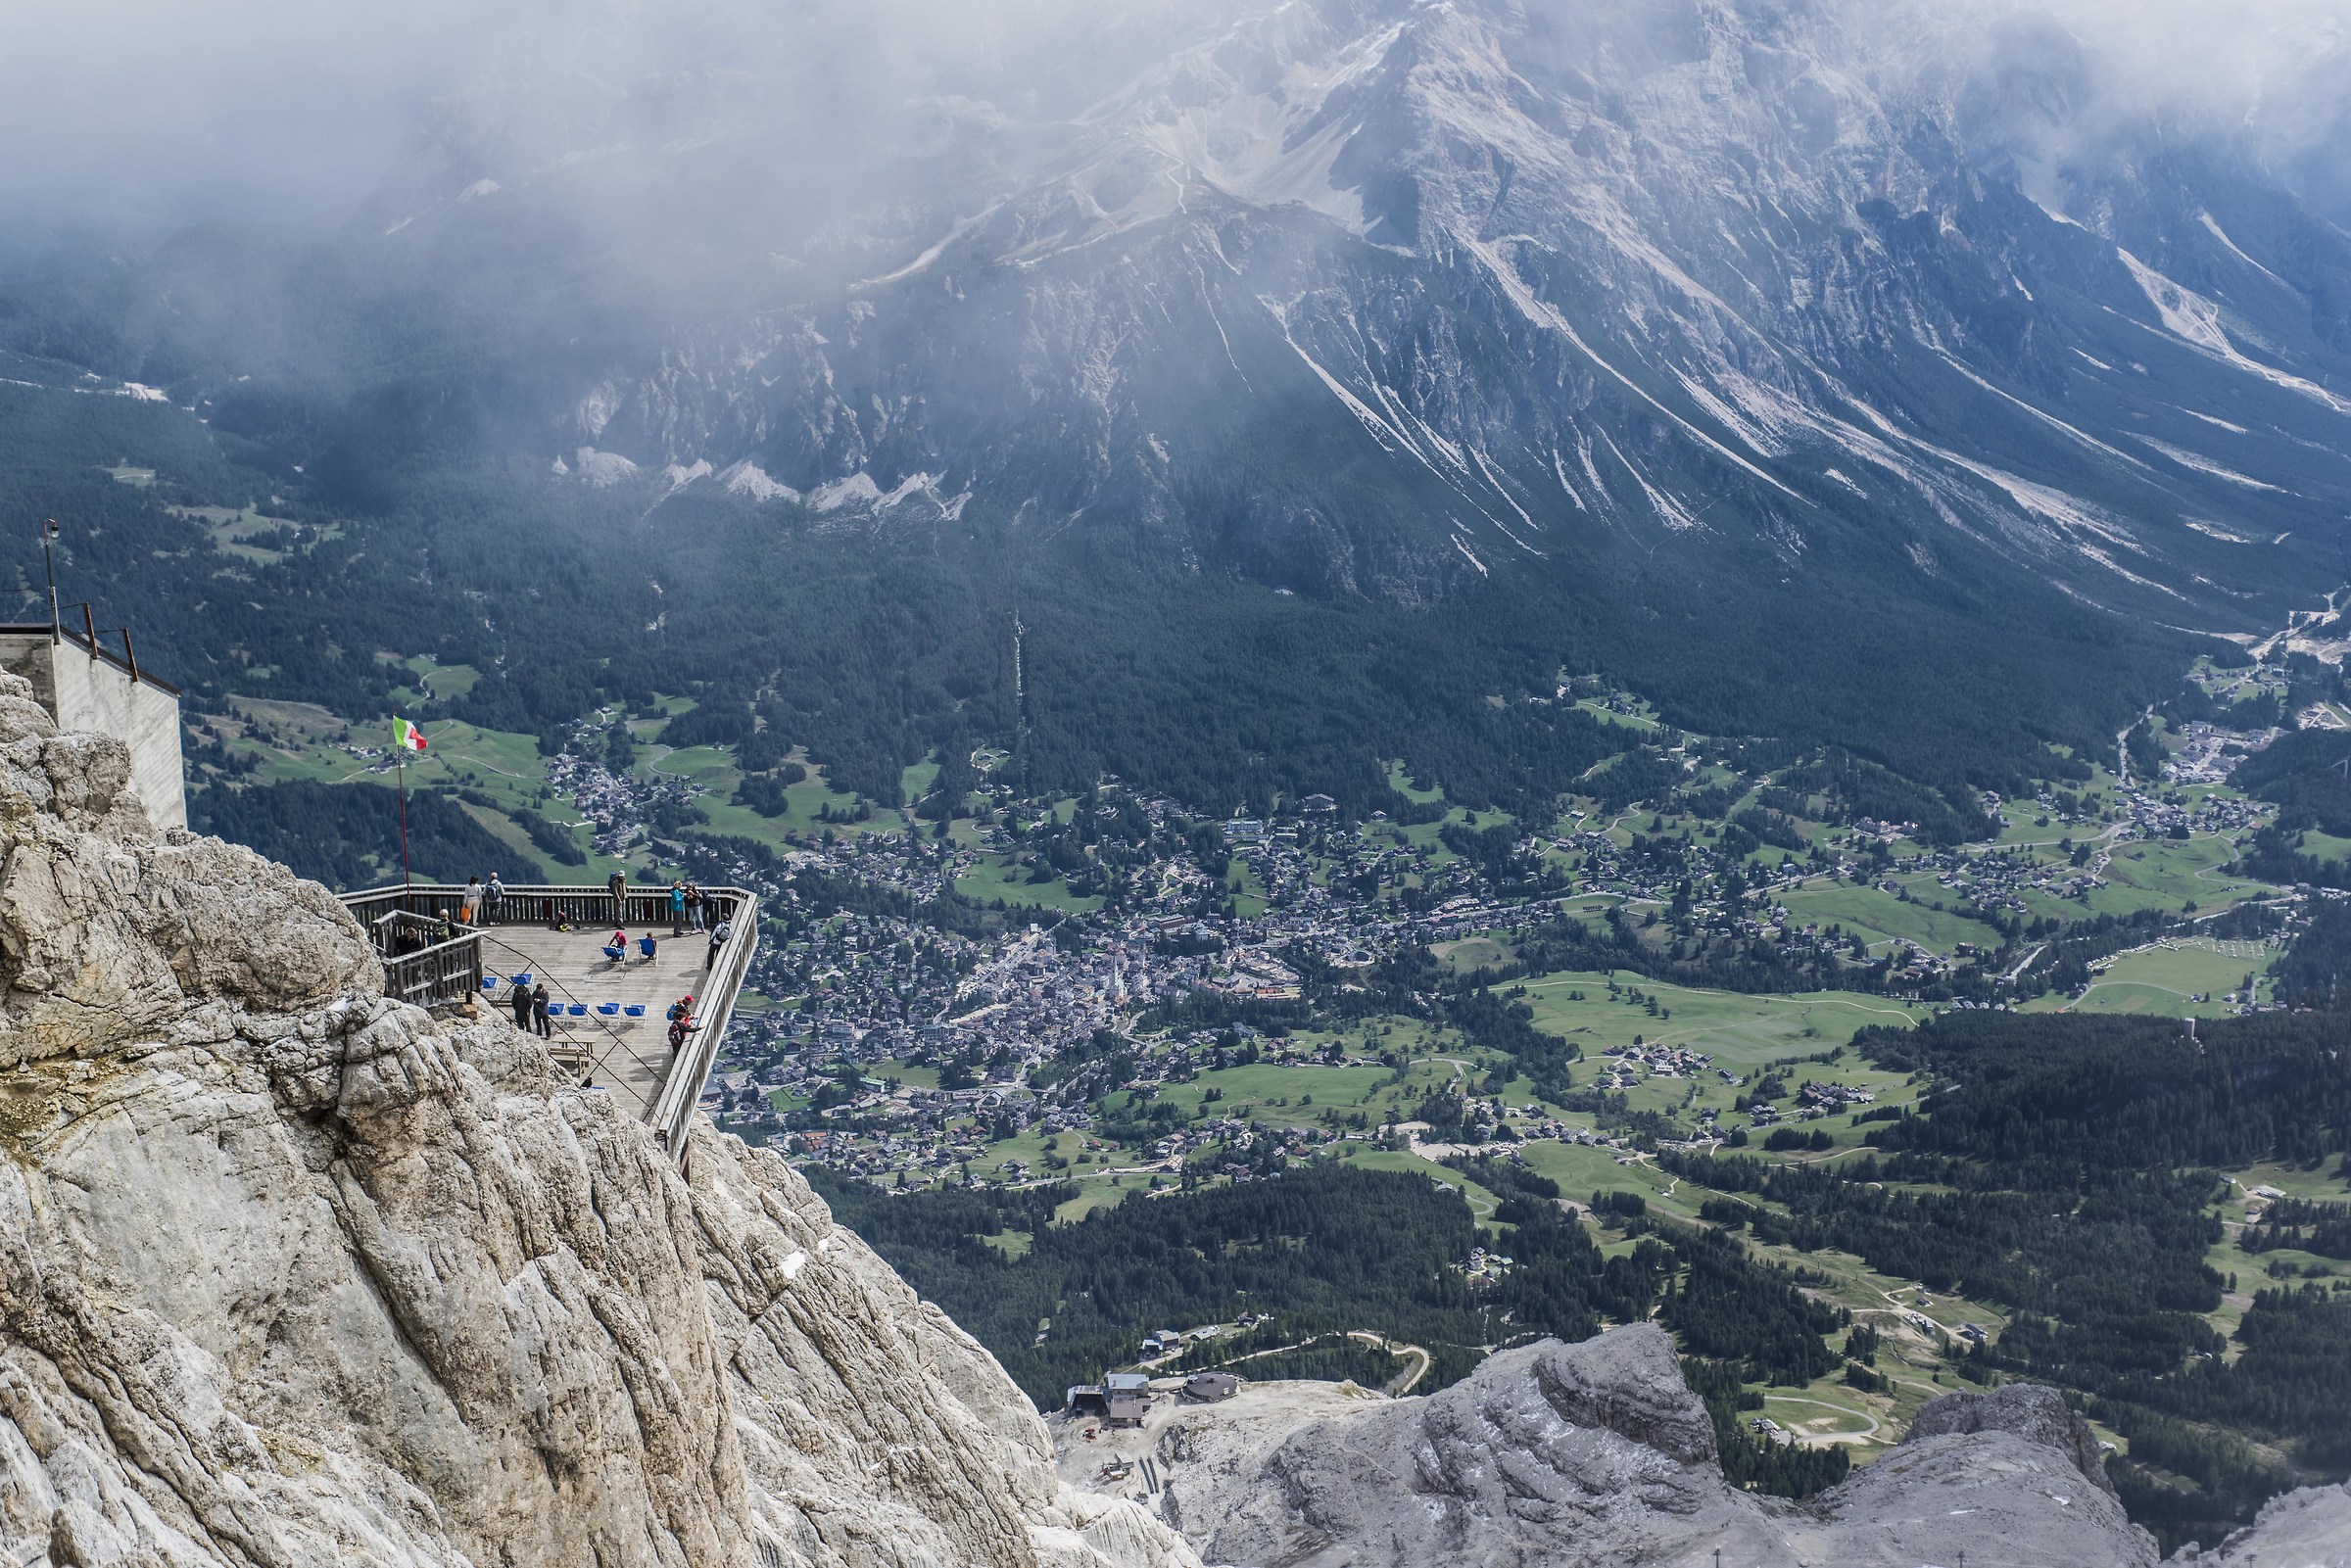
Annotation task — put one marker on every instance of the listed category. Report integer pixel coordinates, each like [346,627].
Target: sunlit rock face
[1596,1454]
[293,1274]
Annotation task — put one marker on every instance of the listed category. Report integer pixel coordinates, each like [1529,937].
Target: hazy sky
[135,115]
[154,109]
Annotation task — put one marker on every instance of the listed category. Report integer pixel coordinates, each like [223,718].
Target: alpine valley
[1358,367]
[1507,782]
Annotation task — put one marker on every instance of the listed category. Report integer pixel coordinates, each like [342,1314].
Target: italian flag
[406,735]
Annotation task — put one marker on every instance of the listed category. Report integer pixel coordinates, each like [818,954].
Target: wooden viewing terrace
[606,1016]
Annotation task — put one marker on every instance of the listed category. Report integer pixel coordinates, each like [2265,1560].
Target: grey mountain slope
[1535,279]
[1356,296]
[1596,1454]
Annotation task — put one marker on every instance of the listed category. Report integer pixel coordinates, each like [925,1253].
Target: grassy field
[1481,1203]
[301,741]
[1401,782]
[231,531]
[1276,1092]
[1734,1027]
[2162,979]
[999,876]
[2167,872]
[713,768]
[1472,953]
[1880,916]
[1246,889]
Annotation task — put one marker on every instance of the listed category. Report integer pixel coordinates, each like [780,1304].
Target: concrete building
[1209,1388]
[90,688]
[1126,1396]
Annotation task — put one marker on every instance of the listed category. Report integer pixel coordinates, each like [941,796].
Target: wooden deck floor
[628,1056]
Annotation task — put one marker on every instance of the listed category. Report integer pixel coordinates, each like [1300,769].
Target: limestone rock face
[2032,1412]
[2306,1529]
[1560,1455]
[294,1275]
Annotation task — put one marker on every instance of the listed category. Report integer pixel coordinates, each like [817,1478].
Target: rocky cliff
[294,1275]
[1598,1453]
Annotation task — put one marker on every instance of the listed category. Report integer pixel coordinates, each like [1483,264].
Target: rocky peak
[292,1274]
[2028,1410]
[1596,1453]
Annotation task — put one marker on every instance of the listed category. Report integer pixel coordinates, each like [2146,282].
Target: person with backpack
[718,939]
[618,884]
[497,895]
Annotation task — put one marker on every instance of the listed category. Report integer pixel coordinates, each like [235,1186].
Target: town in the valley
[1155,995]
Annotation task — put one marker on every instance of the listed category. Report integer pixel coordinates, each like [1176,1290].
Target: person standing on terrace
[618,882]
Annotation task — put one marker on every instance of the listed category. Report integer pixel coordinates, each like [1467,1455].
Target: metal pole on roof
[49,565]
[130,656]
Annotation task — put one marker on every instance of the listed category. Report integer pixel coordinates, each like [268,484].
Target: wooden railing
[536,903]
[422,968]
[673,1107]
[449,971]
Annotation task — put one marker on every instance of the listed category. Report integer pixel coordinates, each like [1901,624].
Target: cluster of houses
[1124,1399]
[1813,1098]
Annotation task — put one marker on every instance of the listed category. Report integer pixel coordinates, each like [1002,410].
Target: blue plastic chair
[579,1010]
[634,1010]
[616,954]
[523,978]
[645,945]
[489,983]
[608,1009]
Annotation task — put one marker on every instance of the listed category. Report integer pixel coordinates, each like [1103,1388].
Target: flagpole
[403,819]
